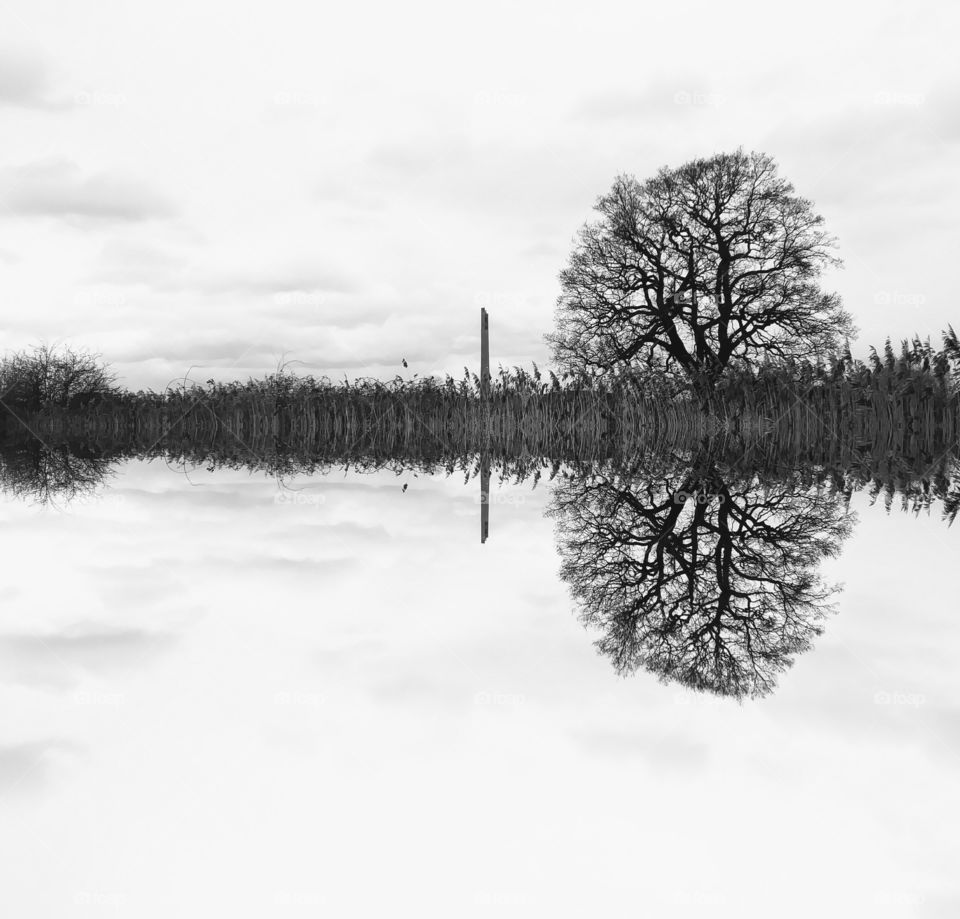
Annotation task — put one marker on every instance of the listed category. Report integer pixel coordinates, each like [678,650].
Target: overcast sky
[212,186]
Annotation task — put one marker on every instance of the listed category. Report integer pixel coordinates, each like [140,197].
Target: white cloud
[59,188]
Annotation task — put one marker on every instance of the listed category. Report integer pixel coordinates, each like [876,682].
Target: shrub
[48,377]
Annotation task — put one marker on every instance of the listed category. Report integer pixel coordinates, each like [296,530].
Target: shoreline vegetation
[889,425]
[910,399]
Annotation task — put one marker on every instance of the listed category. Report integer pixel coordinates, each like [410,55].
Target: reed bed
[915,410]
[913,393]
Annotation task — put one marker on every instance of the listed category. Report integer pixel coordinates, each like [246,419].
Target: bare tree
[700,267]
[52,474]
[46,377]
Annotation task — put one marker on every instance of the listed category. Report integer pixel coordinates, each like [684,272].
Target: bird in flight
[404,486]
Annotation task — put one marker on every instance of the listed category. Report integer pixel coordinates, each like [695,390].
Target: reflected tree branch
[699,574]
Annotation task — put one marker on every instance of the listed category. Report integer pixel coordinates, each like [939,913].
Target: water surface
[224,698]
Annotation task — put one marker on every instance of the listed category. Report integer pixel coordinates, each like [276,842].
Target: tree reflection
[52,474]
[699,573]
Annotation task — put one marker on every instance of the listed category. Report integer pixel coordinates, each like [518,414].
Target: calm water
[222,699]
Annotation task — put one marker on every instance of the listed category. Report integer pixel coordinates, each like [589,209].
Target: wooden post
[485,422]
[484,495]
[484,354]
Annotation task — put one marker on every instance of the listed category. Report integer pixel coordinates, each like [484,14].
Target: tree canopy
[698,268]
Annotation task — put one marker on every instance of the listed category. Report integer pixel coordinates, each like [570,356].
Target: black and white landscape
[479,462]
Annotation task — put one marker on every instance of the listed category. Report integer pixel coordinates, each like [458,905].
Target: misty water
[224,696]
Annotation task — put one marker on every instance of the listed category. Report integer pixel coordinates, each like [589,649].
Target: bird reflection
[697,573]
